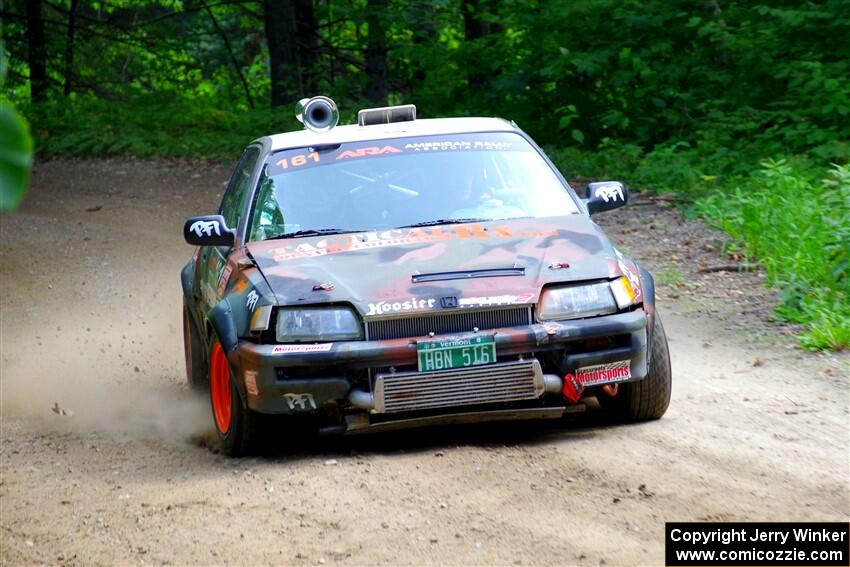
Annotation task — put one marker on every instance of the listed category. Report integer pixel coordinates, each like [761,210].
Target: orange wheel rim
[220,392]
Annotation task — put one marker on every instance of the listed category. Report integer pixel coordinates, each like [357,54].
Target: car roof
[355,133]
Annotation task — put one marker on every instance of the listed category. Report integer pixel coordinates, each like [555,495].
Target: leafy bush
[799,228]
[789,215]
[145,127]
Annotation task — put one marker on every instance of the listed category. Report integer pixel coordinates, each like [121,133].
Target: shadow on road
[289,445]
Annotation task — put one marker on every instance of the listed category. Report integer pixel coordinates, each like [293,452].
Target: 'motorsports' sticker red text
[604,373]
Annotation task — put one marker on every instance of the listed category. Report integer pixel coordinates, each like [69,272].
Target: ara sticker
[368,151]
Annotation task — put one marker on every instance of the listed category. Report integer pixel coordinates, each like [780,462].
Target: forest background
[737,110]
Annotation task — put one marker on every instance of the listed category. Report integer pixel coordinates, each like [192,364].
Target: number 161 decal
[297,161]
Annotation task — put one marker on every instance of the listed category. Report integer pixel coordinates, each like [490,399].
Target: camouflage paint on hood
[374,271]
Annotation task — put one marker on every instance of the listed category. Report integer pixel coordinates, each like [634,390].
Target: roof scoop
[319,114]
[387,115]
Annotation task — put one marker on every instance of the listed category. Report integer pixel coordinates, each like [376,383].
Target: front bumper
[271,388]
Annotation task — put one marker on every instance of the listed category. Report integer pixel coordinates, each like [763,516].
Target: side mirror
[210,230]
[605,195]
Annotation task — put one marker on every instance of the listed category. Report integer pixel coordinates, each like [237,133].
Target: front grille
[492,383]
[447,323]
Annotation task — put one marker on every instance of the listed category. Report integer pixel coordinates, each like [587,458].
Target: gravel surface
[105,456]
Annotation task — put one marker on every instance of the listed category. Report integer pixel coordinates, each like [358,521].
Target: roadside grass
[669,276]
[788,214]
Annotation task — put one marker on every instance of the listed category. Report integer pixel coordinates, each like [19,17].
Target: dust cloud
[83,404]
[73,381]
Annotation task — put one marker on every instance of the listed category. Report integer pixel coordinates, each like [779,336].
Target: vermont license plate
[455,353]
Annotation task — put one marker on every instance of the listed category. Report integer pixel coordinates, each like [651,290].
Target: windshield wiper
[443,221]
[312,232]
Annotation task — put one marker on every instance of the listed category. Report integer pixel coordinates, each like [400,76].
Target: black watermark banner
[742,544]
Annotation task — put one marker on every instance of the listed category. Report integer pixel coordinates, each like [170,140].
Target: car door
[213,259]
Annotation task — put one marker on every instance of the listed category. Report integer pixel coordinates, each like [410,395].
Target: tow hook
[611,389]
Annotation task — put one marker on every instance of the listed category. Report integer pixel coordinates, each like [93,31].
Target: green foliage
[144,127]
[792,218]
[791,214]
[15,156]
[799,228]
[672,95]
[16,149]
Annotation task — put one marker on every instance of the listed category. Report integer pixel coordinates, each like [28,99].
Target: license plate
[455,353]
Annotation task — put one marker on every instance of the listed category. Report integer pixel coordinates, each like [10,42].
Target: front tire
[239,429]
[649,398]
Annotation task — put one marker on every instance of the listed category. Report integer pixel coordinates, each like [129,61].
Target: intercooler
[472,385]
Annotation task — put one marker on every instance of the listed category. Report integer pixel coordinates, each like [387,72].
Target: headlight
[313,324]
[585,300]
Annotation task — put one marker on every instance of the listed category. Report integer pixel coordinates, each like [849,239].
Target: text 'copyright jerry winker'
[743,544]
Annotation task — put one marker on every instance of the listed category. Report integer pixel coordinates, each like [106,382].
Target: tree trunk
[37,51]
[307,38]
[69,47]
[376,52]
[280,24]
[474,28]
[424,38]
[233,60]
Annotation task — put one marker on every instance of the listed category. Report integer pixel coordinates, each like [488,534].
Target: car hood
[397,271]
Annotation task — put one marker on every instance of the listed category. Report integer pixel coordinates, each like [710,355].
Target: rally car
[403,272]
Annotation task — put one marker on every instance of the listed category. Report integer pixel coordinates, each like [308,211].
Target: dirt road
[91,321]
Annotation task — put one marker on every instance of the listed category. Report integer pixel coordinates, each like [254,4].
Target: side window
[237,191]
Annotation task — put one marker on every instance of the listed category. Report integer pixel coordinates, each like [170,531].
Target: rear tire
[196,362]
[648,398]
[240,430]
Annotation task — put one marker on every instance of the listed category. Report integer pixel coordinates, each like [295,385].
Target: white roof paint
[355,133]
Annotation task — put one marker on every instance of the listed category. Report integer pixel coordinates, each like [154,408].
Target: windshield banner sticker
[452,145]
[304,158]
[369,151]
[400,236]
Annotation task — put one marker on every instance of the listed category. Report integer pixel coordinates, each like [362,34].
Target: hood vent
[469,274]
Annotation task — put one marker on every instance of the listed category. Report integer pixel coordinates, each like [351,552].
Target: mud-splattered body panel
[463,283]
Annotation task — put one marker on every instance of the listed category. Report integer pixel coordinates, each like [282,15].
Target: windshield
[384,184]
